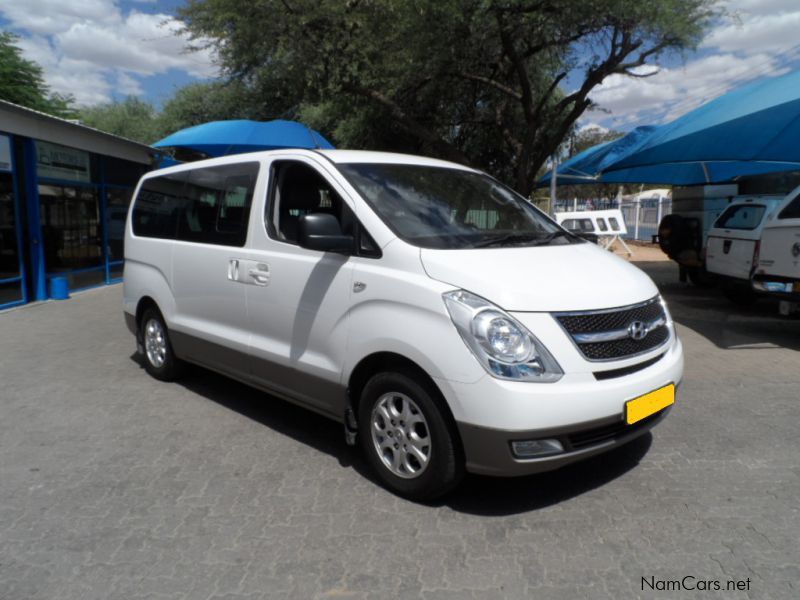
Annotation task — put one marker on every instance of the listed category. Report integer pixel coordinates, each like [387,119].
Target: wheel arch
[390,361]
[144,303]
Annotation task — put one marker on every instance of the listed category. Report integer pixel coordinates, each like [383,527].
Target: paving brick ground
[115,486]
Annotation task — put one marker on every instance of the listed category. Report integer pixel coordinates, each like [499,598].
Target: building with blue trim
[64,195]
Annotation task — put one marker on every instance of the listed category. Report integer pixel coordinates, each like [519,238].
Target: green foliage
[202,102]
[22,82]
[130,118]
[476,81]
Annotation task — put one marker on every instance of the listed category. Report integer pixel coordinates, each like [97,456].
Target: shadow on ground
[476,495]
[708,312]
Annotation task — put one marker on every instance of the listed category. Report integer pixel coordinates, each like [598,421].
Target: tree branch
[408,123]
[508,91]
[518,64]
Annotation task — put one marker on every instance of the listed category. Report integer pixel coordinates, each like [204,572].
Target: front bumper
[584,412]
[489,452]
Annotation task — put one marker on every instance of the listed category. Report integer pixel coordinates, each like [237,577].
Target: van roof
[335,156]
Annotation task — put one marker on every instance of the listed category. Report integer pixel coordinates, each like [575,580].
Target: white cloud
[45,17]
[757,39]
[91,49]
[762,33]
[759,7]
[128,86]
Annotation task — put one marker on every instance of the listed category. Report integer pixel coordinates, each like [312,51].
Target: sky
[100,50]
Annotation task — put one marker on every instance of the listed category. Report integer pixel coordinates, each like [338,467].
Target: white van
[734,243]
[778,271]
[445,321]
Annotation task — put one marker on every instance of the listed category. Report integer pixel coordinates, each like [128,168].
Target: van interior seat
[298,193]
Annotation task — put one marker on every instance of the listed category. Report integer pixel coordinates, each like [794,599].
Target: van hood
[542,279]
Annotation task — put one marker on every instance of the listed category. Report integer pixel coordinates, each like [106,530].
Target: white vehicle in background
[733,244]
[778,270]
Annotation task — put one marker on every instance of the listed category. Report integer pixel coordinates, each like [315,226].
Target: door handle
[260,274]
[233,269]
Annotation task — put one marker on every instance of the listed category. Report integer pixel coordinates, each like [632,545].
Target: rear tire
[406,437]
[159,359]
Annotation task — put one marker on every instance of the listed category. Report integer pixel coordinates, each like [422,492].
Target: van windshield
[437,207]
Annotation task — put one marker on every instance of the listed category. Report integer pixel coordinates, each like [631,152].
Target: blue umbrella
[758,122]
[749,131]
[587,166]
[220,138]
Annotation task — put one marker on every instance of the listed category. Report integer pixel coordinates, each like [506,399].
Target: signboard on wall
[5,153]
[60,162]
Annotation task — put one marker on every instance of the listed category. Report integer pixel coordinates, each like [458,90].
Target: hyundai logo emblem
[637,330]
[796,249]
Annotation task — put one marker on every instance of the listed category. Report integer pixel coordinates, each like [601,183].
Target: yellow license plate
[644,406]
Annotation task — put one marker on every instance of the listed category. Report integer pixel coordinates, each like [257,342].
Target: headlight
[505,348]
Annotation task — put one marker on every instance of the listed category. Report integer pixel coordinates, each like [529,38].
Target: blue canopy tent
[749,131]
[220,138]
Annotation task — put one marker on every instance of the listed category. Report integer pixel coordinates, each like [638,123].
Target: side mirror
[321,231]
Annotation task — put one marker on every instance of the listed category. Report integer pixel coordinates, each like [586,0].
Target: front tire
[159,359]
[407,439]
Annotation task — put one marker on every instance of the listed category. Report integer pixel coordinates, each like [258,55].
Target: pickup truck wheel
[159,359]
[406,438]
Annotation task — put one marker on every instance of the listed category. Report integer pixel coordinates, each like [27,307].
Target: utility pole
[553,177]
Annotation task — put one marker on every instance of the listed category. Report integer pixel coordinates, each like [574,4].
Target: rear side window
[742,216]
[158,206]
[792,211]
[217,204]
[578,225]
[208,205]
[614,223]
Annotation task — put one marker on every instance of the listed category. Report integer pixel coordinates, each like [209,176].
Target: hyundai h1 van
[446,322]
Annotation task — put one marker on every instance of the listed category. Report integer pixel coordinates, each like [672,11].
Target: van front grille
[617,333]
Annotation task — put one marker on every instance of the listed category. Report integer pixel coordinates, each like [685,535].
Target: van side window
[158,206]
[217,204]
[298,189]
[792,211]
[614,223]
[601,223]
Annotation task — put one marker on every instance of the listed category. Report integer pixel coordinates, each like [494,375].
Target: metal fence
[641,216]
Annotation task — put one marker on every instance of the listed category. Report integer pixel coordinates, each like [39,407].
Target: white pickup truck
[733,245]
[778,270]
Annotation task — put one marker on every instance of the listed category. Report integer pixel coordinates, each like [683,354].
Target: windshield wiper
[550,237]
[517,238]
[504,240]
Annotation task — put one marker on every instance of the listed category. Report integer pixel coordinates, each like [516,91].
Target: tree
[578,141]
[130,118]
[22,82]
[199,103]
[586,137]
[493,83]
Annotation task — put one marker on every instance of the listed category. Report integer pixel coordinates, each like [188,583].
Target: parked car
[683,234]
[732,248]
[444,320]
[778,271]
